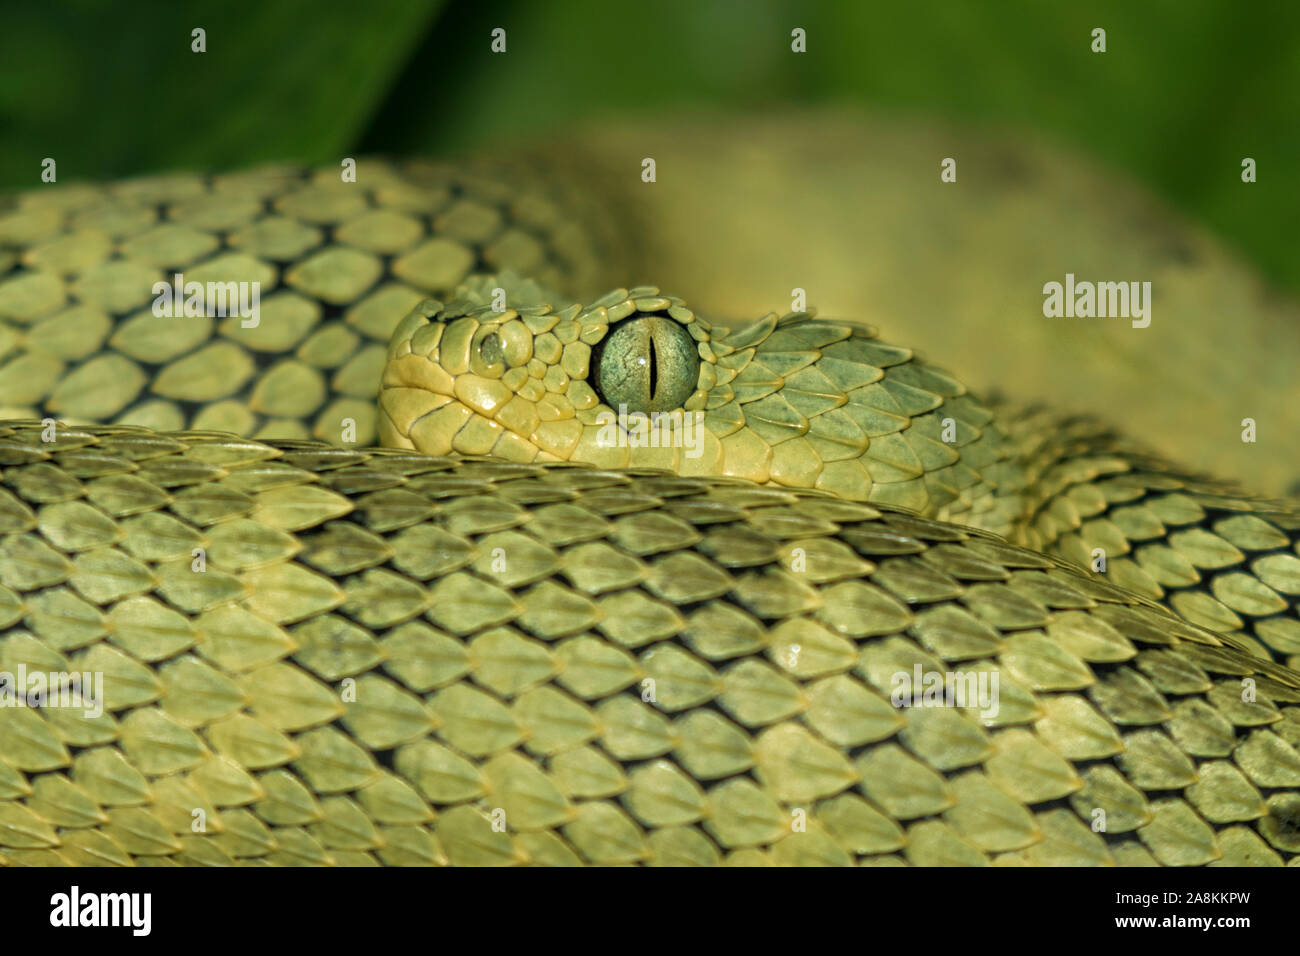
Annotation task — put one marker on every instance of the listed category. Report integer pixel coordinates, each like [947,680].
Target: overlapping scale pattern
[338,265]
[391,658]
[1218,557]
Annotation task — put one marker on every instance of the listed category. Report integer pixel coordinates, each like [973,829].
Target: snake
[452,556]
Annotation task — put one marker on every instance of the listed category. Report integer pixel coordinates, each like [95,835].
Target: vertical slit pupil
[654,369]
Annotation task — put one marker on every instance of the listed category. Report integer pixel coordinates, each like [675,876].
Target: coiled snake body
[505,639]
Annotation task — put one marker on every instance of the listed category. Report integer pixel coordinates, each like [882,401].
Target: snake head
[636,379]
[536,381]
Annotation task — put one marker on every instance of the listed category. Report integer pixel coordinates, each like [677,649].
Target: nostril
[492,350]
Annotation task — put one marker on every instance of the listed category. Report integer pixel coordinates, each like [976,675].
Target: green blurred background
[1184,91]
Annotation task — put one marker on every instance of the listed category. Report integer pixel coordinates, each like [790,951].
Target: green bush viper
[505,639]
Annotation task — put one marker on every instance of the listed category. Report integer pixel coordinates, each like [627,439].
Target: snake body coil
[503,639]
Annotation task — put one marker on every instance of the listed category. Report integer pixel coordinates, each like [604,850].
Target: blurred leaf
[570,60]
[1185,90]
[113,89]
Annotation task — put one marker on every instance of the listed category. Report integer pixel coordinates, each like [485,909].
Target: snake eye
[648,363]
